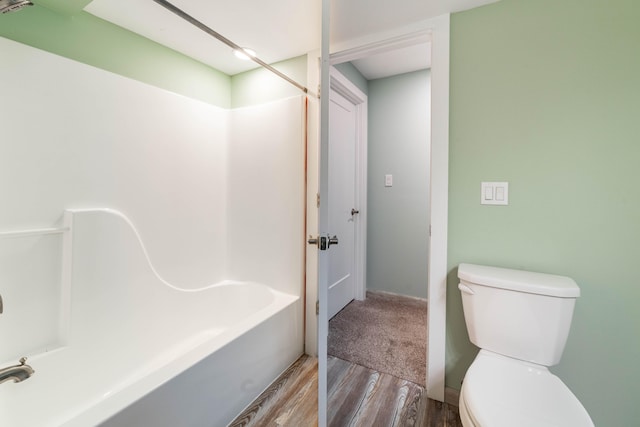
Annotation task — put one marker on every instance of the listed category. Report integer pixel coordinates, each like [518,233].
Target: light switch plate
[494,193]
[388,180]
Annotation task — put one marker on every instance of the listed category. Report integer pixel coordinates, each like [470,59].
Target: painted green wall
[259,86]
[398,216]
[546,95]
[70,32]
[63,28]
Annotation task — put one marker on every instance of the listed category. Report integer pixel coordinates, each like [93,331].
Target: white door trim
[350,51]
[439,204]
[435,31]
[322,324]
[343,86]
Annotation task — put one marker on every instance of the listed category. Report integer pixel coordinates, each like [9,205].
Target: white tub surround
[215,194]
[188,357]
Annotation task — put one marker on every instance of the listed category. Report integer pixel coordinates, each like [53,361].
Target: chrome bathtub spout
[17,373]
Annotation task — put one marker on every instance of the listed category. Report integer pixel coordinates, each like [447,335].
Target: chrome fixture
[182,14]
[245,53]
[7,6]
[17,373]
[323,242]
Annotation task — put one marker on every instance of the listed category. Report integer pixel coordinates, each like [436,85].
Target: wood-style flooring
[357,396]
[291,400]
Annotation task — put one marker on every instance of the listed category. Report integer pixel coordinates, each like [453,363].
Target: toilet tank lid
[519,280]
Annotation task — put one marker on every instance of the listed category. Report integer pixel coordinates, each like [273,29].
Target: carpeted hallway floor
[385,332]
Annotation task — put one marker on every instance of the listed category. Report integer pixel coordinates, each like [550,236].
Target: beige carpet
[384,332]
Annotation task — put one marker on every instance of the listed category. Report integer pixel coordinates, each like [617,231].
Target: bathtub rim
[99,410]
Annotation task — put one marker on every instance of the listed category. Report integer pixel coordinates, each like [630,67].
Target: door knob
[323,242]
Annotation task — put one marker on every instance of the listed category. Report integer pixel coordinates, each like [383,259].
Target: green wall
[398,216]
[259,86]
[545,94]
[83,37]
[63,28]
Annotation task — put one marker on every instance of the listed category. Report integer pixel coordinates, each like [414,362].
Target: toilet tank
[519,314]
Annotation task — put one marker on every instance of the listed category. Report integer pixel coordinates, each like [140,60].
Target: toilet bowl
[520,320]
[502,392]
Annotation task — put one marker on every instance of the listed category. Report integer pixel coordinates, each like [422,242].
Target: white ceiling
[398,61]
[276,29]
[353,19]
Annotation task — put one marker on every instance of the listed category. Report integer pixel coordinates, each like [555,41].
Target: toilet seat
[499,391]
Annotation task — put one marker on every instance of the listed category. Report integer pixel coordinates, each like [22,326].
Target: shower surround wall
[216,194]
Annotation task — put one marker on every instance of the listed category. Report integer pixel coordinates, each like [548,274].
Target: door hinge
[317,308]
[318,200]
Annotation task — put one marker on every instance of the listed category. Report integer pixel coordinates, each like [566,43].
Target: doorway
[436,31]
[386,332]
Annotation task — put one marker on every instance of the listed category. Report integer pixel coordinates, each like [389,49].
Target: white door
[341,200]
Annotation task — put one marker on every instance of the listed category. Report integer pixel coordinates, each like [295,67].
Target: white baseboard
[375,291]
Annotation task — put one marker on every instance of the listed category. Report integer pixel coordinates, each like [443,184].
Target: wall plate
[494,193]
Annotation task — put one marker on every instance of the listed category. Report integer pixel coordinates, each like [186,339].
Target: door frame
[343,86]
[436,32]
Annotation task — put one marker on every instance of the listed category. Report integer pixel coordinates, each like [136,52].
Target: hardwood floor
[357,396]
[292,399]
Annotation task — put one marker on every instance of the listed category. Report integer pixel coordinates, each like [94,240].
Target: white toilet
[520,320]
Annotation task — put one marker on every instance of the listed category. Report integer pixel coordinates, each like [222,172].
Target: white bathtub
[134,351]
